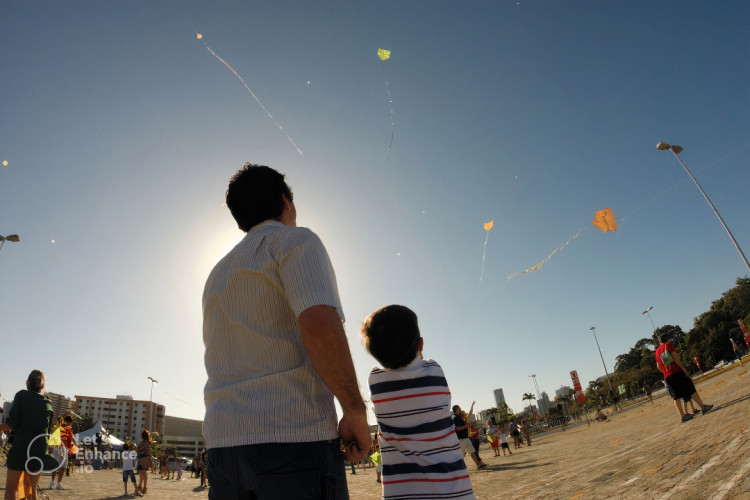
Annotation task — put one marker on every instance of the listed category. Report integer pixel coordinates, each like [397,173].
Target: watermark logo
[83,455]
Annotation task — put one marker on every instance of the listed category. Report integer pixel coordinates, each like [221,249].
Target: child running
[420,450]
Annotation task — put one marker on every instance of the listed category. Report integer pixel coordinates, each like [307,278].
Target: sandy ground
[641,452]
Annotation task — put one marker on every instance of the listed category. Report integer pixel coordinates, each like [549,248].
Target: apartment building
[127,416]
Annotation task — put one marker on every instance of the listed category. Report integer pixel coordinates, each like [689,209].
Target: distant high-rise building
[499,397]
[544,403]
[61,405]
[127,416]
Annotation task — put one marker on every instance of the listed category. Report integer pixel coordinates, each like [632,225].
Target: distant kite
[198,36]
[605,220]
[5,163]
[487,227]
[383,55]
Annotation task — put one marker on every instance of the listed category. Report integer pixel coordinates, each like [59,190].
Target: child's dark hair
[391,335]
[125,447]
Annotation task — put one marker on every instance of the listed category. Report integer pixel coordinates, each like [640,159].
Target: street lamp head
[647,310]
[592,328]
[663,146]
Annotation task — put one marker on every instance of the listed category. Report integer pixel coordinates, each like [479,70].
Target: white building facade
[123,414]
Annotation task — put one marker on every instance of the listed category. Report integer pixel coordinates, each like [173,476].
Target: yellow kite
[54,438]
[384,54]
[605,220]
[488,225]
[198,36]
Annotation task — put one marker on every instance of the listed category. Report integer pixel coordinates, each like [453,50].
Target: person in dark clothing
[31,419]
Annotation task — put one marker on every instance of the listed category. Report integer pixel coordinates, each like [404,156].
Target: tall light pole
[653,328]
[663,146]
[606,374]
[538,395]
[153,381]
[11,237]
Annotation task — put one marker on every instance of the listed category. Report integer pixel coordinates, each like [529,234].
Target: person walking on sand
[527,431]
[275,346]
[144,462]
[515,434]
[668,361]
[492,436]
[30,416]
[647,390]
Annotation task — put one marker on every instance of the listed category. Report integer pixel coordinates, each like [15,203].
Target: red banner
[580,397]
[698,363]
[744,331]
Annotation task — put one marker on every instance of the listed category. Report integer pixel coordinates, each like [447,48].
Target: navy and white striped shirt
[259,374]
[421,455]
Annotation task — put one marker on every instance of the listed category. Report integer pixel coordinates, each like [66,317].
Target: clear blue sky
[121,131]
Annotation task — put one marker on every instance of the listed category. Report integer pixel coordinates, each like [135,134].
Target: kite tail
[484,256]
[256,99]
[548,257]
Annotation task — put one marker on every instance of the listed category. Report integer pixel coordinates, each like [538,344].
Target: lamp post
[606,374]
[153,381]
[538,395]
[11,237]
[663,146]
[653,328]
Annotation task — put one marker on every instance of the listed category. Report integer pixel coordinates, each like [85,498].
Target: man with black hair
[276,347]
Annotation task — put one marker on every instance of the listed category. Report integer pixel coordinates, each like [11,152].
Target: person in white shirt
[275,348]
[128,464]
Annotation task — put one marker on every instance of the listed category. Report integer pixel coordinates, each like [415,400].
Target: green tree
[82,423]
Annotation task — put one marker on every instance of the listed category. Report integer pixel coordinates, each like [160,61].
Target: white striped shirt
[259,374]
[421,454]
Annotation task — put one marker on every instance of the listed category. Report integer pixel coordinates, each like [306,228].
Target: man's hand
[355,436]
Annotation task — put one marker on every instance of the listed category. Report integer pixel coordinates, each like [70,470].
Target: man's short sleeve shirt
[259,374]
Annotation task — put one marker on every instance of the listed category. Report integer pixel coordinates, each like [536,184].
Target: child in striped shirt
[412,402]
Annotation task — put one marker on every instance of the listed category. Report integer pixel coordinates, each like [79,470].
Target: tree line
[702,347]
[708,342]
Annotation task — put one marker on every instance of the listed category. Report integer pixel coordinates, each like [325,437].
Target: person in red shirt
[668,361]
[64,452]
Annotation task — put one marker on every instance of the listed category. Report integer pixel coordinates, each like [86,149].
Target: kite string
[256,98]
[484,255]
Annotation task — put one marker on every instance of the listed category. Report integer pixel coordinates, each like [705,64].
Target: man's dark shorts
[278,470]
[682,386]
